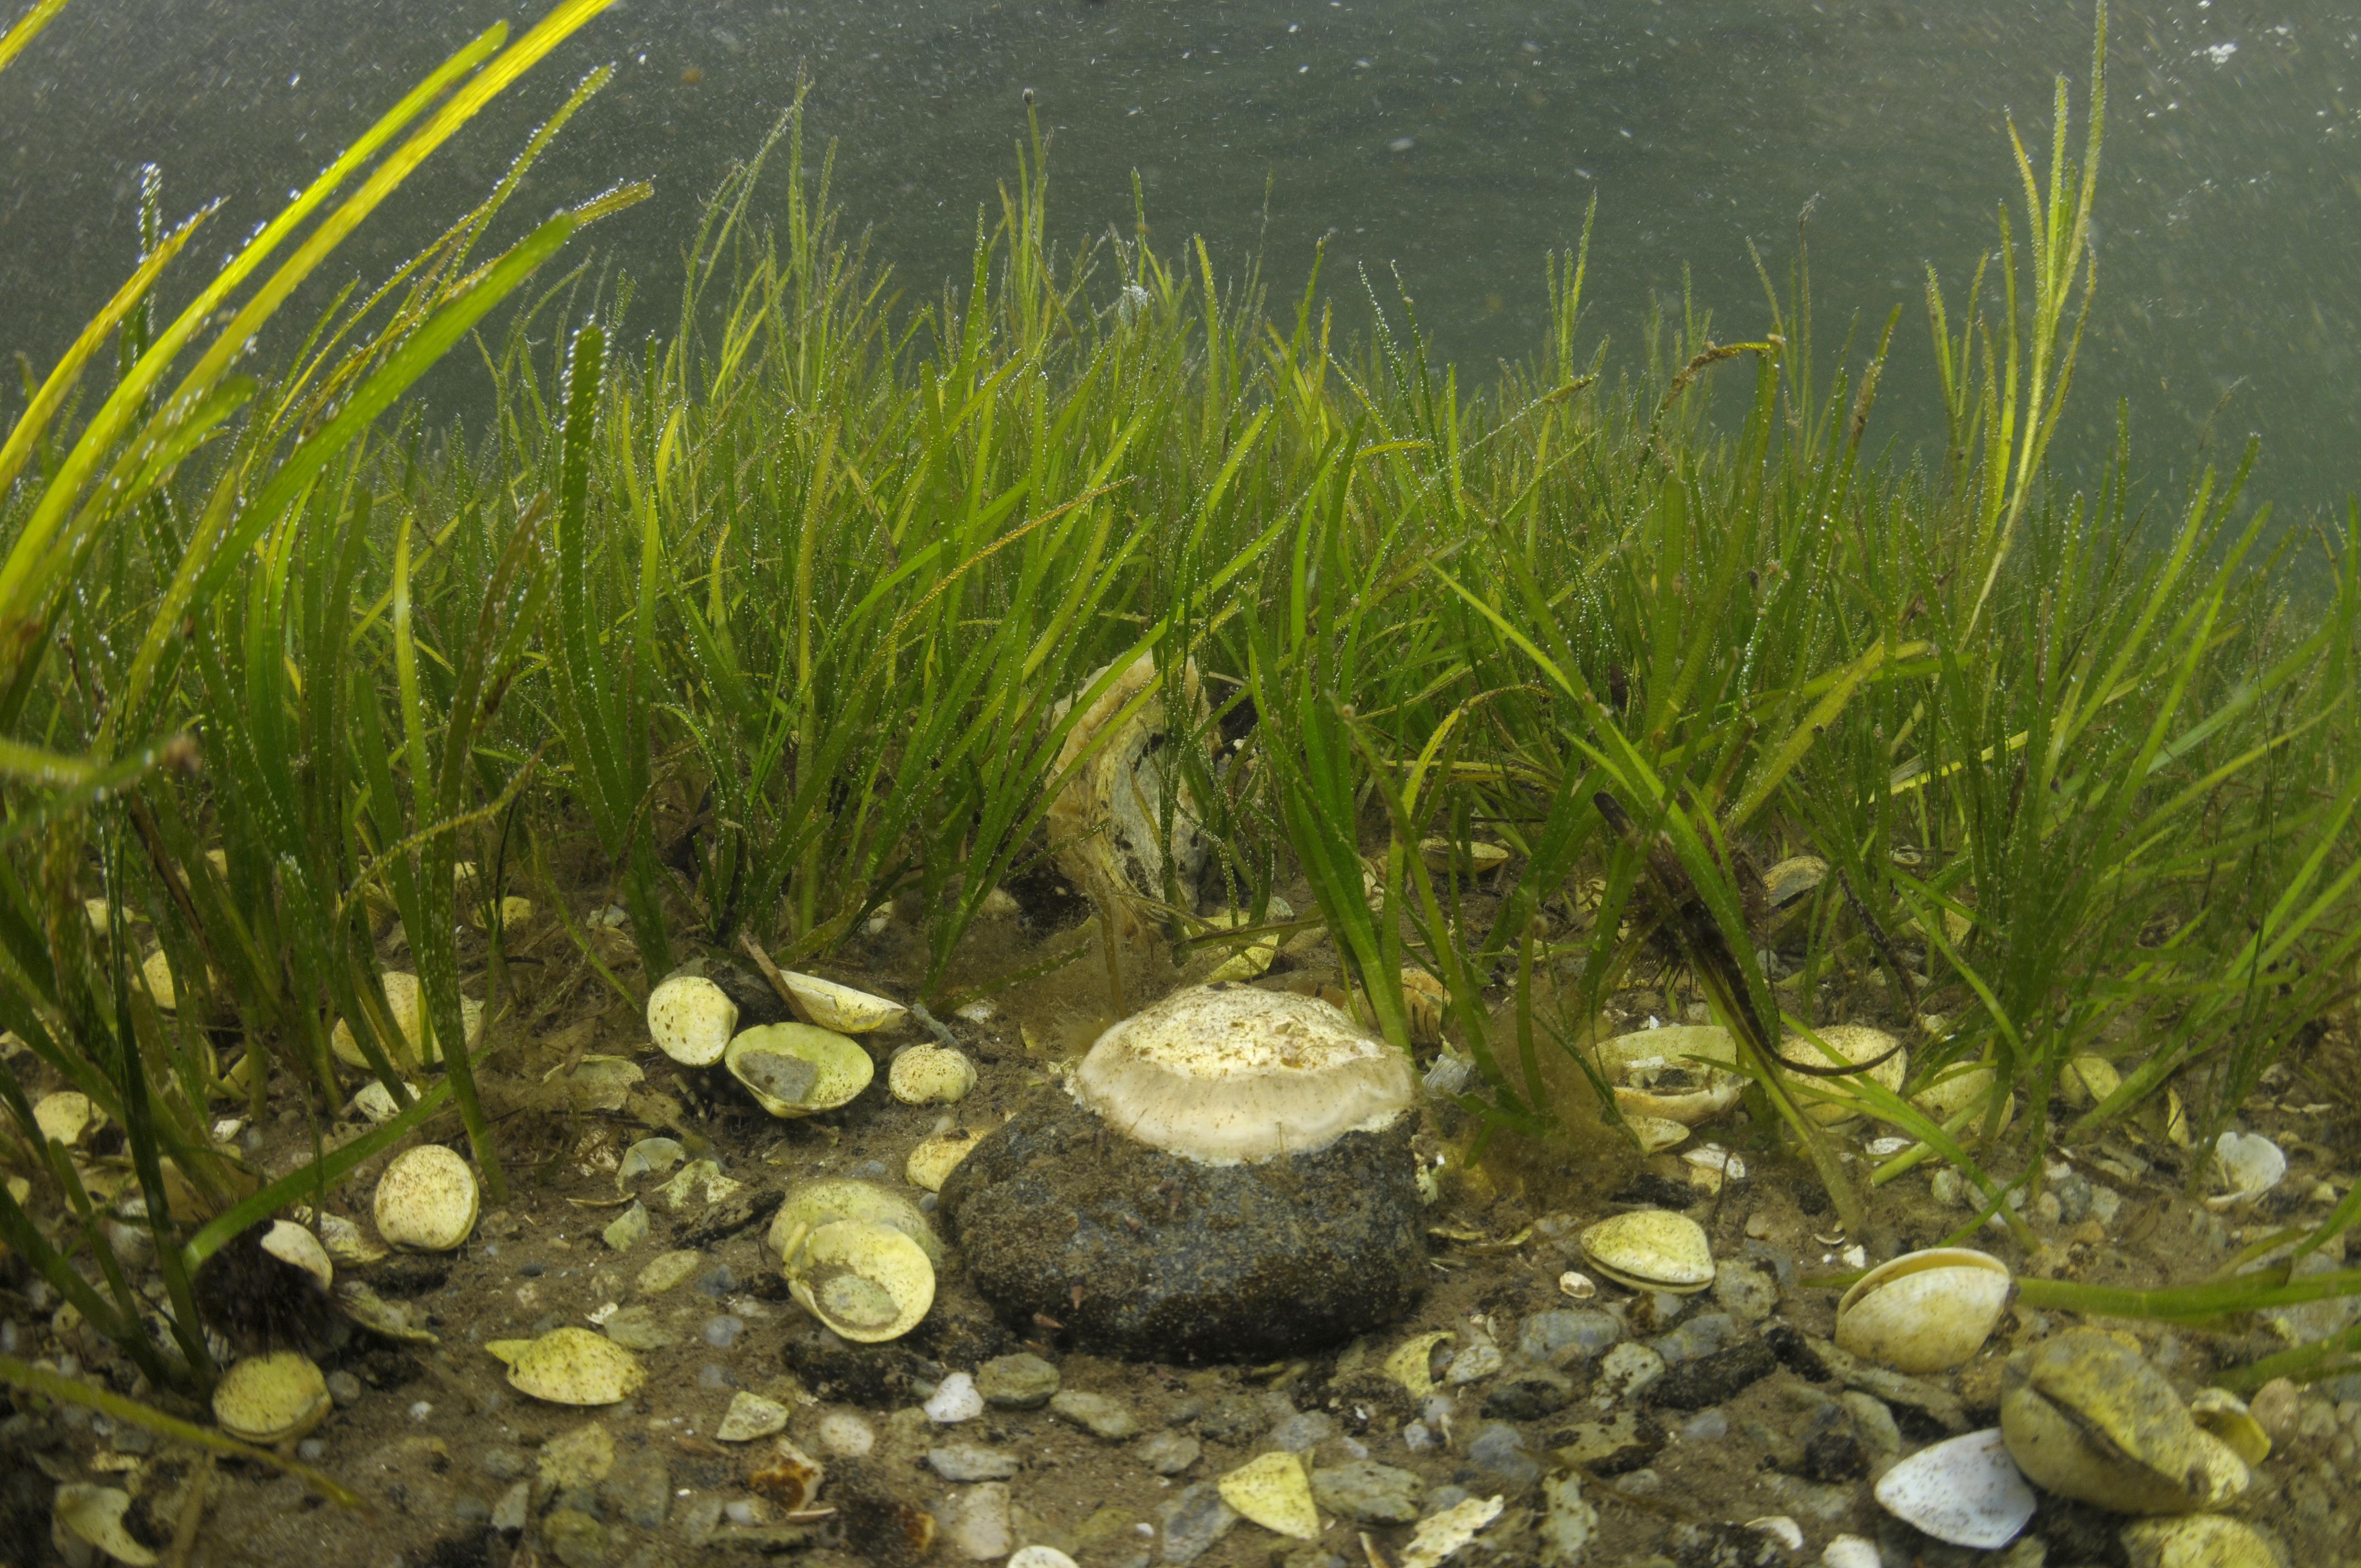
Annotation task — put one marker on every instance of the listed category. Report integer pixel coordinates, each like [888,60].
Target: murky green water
[1456,143]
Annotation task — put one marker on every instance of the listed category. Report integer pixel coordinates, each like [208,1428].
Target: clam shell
[2249,1165]
[426,1200]
[2088,1418]
[1475,858]
[1273,1491]
[1924,1311]
[271,1399]
[1639,1064]
[1965,1490]
[291,1243]
[816,1204]
[63,1117]
[841,1008]
[2199,1540]
[93,1517]
[403,999]
[1109,815]
[691,1020]
[869,1282]
[1792,878]
[571,1366]
[2226,1415]
[931,1162]
[1253,960]
[1656,1133]
[930,1075]
[1851,1043]
[1958,1087]
[796,1070]
[1413,1364]
[2088,1078]
[1652,1249]
[157,971]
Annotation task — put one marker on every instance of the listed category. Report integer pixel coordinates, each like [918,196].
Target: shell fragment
[1965,1491]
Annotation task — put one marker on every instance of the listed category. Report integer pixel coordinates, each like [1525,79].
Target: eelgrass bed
[763,614]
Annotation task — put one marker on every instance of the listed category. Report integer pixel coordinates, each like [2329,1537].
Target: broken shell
[1792,878]
[1254,960]
[402,1320]
[64,1116]
[403,1000]
[1676,1074]
[1472,859]
[1854,1043]
[2249,1165]
[790,1478]
[271,1399]
[1577,1286]
[867,1281]
[374,1101]
[2226,1415]
[158,973]
[1123,784]
[1413,1366]
[291,1243]
[1274,1492]
[1652,1249]
[2088,1418]
[2199,1540]
[816,1204]
[649,1156]
[841,1008]
[1656,1133]
[795,1069]
[932,1162]
[1964,1490]
[1711,1164]
[1924,1311]
[1424,1002]
[93,1517]
[930,1075]
[691,1019]
[1439,1535]
[571,1366]
[345,1242]
[426,1200]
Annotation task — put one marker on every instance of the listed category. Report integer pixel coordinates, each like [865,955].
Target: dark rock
[1796,1353]
[1184,1258]
[1713,1379]
[1648,1190]
[877,1376]
[1724,1546]
[1527,1392]
[1834,1455]
[409,1274]
[639,1489]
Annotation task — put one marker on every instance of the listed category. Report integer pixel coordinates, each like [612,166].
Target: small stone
[1301,1433]
[1473,1363]
[1701,1336]
[1628,1370]
[1566,1335]
[514,1508]
[578,1458]
[722,1332]
[972,1461]
[2105,1204]
[344,1387]
[750,1416]
[955,1399]
[1040,1556]
[1834,1456]
[639,1489]
[1856,1551]
[576,1539]
[1527,1392]
[1873,1422]
[502,1464]
[1746,1293]
[1022,1382]
[2274,1408]
[1568,1524]
[1233,1418]
[1705,1426]
[666,1270]
[629,1229]
[1498,1450]
[639,1328]
[1758,1224]
[1714,1379]
[1192,1522]
[978,1526]
[848,1433]
[1109,1419]
[1368,1492]
[1170,1452]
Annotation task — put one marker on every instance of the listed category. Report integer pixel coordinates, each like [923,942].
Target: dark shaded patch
[1724,1546]
[877,1376]
[1646,1190]
[1834,1456]
[1529,1393]
[480,1548]
[1045,901]
[1795,1353]
[259,1302]
[1711,1379]
[2077,1532]
[733,1214]
[411,1274]
[757,1003]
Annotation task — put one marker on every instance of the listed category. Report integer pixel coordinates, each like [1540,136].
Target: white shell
[868,1282]
[271,1399]
[1850,1552]
[1924,1311]
[1965,1491]
[291,1243]
[691,1020]
[841,1008]
[1652,1249]
[930,1075]
[2249,1165]
[795,1069]
[426,1200]
[408,1006]
[1577,1286]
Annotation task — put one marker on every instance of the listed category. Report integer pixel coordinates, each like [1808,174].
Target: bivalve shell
[1958,1087]
[932,1075]
[1652,1249]
[2199,1540]
[2226,1415]
[796,1070]
[1254,960]
[157,971]
[571,1366]
[271,1399]
[1794,877]
[869,1282]
[1681,1073]
[2249,1165]
[291,1243]
[1924,1311]
[426,1200]
[1964,1490]
[408,1006]
[1274,1492]
[2086,1417]
[82,1517]
[1854,1043]
[691,1020]
[816,1204]
[63,1117]
[931,1162]
[841,1008]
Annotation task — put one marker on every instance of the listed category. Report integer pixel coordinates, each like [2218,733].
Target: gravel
[1192,1522]
[978,1527]
[1562,1337]
[1170,1452]
[972,1461]
[1368,1492]
[1020,1382]
[1102,1418]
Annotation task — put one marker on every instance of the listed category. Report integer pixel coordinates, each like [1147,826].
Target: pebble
[1565,1336]
[1441,1500]
[1301,1433]
[666,1270]
[722,1332]
[1192,1521]
[972,1461]
[1473,1363]
[1232,1419]
[1873,1421]
[344,1387]
[750,1416]
[514,1508]
[1102,1418]
[576,1539]
[844,1432]
[1707,1426]
[638,1328]
[1498,1450]
[1528,1392]
[502,1464]
[1041,1557]
[716,1376]
[1850,1552]
[311,1451]
[2274,1408]
[978,1527]
[1701,1336]
[1628,1370]
[955,1399]
[639,1489]
[1568,1524]
[1022,1382]
[1418,1439]
[1170,1452]
[1368,1492]
[1747,1293]
[472,1511]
